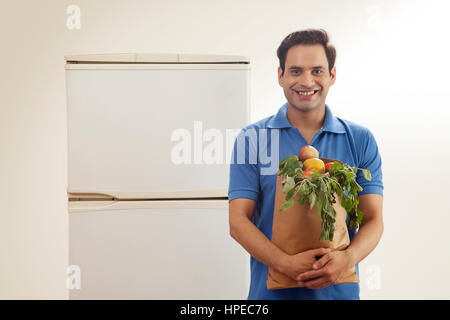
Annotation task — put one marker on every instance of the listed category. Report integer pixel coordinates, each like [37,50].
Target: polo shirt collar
[331,123]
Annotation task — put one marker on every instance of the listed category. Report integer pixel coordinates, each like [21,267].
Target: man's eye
[317,71]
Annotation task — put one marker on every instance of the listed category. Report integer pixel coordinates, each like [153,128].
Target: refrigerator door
[154,130]
[155,250]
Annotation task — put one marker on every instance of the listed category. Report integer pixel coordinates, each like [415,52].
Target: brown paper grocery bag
[298,229]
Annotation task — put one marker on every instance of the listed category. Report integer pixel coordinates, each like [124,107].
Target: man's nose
[306,80]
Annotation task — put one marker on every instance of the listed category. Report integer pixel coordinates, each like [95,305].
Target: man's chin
[307,107]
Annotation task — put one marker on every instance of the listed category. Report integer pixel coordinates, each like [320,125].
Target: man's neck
[311,121]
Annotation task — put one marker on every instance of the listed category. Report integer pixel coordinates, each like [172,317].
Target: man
[306,73]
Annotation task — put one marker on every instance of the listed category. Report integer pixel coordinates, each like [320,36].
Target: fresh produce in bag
[313,197]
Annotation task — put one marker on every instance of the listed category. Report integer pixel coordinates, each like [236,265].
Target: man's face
[306,78]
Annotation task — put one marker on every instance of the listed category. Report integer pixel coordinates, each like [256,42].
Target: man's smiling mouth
[306,93]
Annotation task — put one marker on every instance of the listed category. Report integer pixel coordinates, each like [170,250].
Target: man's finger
[301,283]
[321,251]
[318,283]
[309,275]
[321,262]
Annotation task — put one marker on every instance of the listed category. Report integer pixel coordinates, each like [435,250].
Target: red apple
[329,166]
[307,152]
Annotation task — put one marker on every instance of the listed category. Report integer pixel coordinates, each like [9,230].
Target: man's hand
[332,266]
[327,270]
[301,262]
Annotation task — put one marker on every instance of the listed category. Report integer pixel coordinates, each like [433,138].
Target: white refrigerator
[149,144]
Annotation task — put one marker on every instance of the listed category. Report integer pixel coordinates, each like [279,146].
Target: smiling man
[306,73]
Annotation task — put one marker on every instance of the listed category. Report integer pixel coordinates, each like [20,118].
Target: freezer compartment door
[155,250]
[164,132]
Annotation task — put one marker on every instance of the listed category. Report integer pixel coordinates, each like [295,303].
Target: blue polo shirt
[257,151]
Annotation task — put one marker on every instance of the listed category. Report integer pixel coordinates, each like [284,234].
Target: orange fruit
[314,164]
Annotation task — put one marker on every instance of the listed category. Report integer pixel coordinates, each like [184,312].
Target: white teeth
[308,93]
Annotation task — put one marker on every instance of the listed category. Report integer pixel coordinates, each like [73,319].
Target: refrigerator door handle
[84,206]
[89,196]
[75,195]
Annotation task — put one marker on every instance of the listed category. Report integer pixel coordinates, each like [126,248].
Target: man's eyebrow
[300,68]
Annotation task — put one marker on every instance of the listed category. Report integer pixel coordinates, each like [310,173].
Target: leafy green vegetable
[320,191]
[367,174]
[289,165]
[288,184]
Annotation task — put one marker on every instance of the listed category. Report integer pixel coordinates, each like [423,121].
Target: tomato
[314,164]
[307,173]
[329,166]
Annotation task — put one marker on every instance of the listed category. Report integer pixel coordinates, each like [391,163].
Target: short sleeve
[371,160]
[244,171]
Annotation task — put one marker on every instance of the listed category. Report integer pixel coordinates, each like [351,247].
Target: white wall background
[392,72]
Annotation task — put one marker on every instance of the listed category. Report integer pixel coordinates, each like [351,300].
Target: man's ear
[280,77]
[333,76]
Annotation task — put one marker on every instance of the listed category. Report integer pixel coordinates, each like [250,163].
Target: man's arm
[333,265]
[260,247]
[370,230]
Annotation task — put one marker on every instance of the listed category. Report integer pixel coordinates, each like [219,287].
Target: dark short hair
[307,37]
